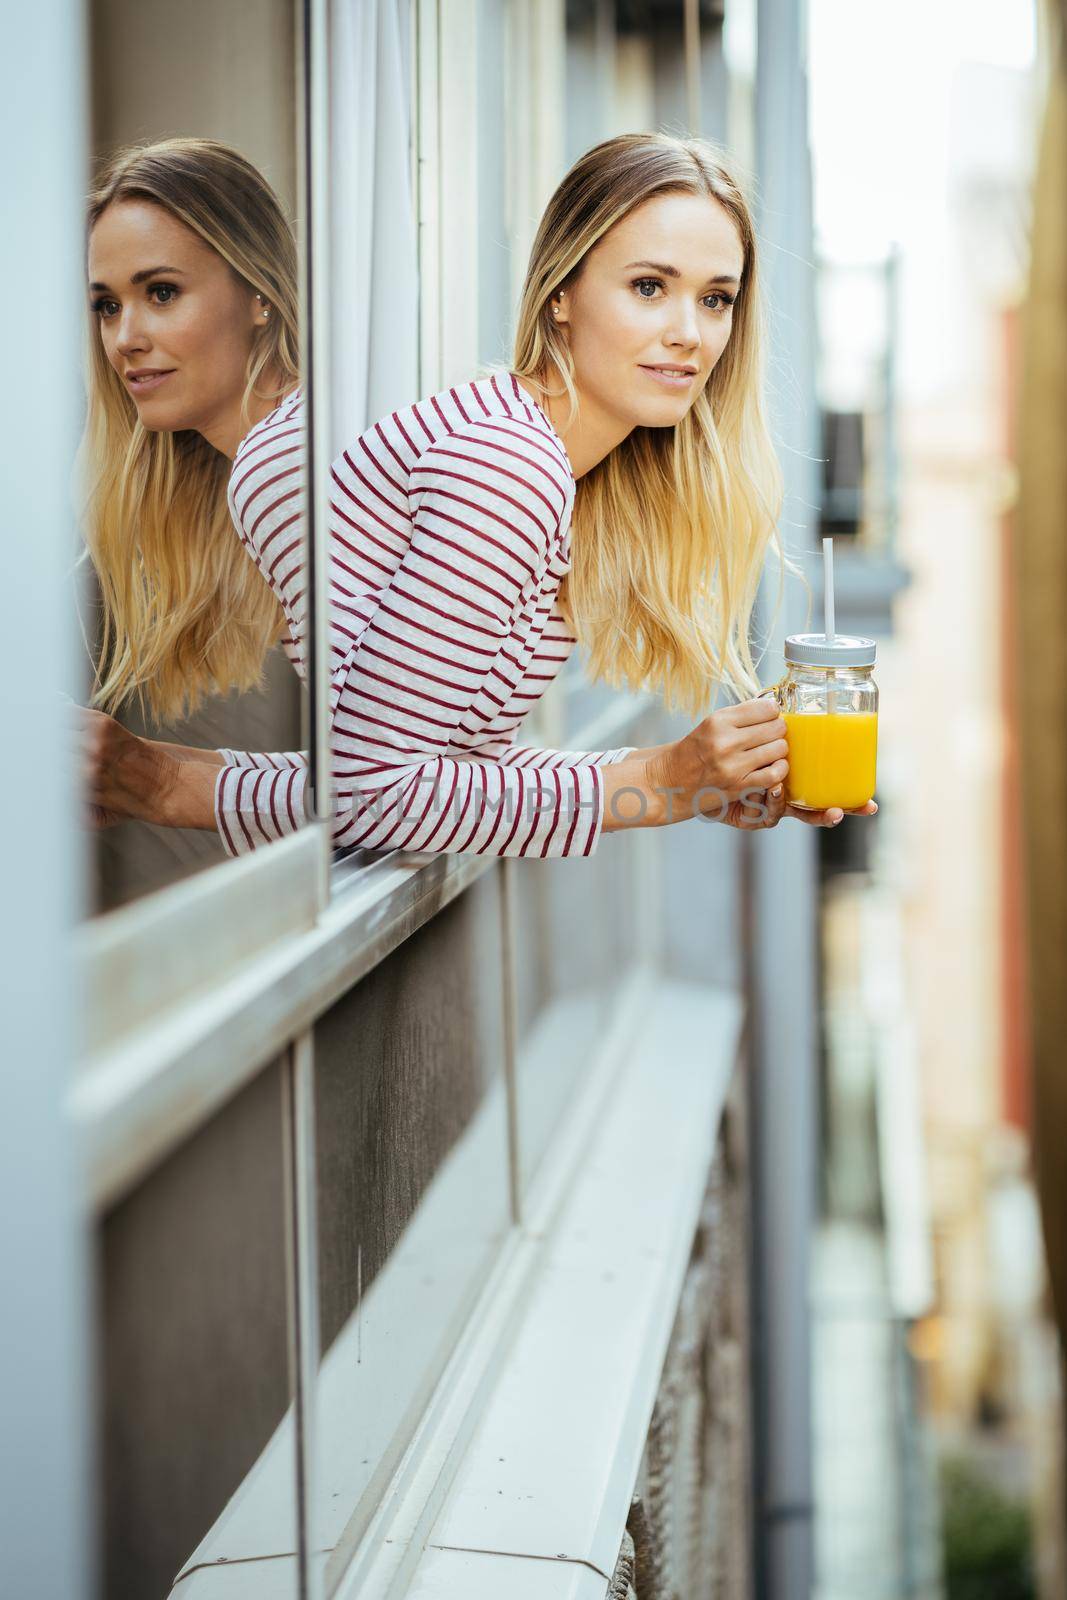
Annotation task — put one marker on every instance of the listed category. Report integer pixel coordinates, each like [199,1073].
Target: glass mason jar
[830,704]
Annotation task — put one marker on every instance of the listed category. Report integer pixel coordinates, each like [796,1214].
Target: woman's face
[176,323]
[650,312]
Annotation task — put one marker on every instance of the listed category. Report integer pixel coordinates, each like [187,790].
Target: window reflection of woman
[616,487]
[193,285]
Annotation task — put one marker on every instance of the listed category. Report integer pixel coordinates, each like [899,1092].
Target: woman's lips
[670,380]
[144,383]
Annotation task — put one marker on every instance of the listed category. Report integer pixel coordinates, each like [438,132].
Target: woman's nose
[684,328]
[131,332]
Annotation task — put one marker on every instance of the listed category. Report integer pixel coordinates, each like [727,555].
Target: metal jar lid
[843,650]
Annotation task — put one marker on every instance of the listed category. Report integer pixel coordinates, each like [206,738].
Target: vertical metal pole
[784,971]
[506,879]
[692,66]
[314,242]
[605,39]
[298,1121]
[45,1545]
[890,451]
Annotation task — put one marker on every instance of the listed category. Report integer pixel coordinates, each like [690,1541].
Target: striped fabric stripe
[448,538]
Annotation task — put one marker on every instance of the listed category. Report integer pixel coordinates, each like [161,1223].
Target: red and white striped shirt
[449,533]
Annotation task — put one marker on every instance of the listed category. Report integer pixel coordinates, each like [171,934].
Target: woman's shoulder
[285,420]
[273,447]
[475,409]
[486,429]
[288,412]
[492,420]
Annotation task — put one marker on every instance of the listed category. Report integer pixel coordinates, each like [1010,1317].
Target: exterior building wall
[316,1104]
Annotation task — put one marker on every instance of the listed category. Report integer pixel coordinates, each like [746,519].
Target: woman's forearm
[650,753]
[651,788]
[632,799]
[187,800]
[184,796]
[188,752]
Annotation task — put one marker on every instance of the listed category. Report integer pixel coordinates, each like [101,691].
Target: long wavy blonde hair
[185,614]
[671,529]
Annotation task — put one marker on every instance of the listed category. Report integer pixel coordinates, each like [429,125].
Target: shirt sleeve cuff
[274,760]
[254,805]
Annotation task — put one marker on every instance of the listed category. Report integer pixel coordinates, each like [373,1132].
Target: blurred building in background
[1034,689]
[931,1276]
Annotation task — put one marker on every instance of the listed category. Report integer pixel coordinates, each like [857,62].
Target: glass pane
[374,250]
[191,478]
[411,1132]
[193,1365]
[494,210]
[375,245]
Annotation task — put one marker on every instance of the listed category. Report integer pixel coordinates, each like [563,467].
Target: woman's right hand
[729,754]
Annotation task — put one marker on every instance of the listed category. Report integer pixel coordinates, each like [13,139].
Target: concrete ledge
[538,1501]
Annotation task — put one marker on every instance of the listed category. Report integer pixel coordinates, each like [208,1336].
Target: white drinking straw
[828,610]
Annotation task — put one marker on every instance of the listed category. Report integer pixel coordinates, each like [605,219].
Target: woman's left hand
[122,776]
[768,809]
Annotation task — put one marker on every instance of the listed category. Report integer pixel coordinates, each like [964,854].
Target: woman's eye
[646,289]
[166,291]
[105,308]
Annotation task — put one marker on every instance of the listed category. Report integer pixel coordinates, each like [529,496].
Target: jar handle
[774,690]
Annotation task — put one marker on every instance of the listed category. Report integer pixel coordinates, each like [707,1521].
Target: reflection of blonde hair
[672,527]
[185,612]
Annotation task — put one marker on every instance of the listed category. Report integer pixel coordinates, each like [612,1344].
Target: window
[216,77]
[227,73]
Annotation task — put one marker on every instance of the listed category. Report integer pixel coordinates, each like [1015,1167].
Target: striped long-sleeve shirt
[449,534]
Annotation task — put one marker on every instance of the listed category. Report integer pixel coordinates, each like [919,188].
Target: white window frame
[45,1396]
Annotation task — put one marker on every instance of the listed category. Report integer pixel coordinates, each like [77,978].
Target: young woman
[193,290]
[616,486]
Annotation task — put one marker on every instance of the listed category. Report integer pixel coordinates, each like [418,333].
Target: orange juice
[832,757]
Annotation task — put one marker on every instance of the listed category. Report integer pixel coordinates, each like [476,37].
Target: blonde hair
[185,612]
[671,529]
